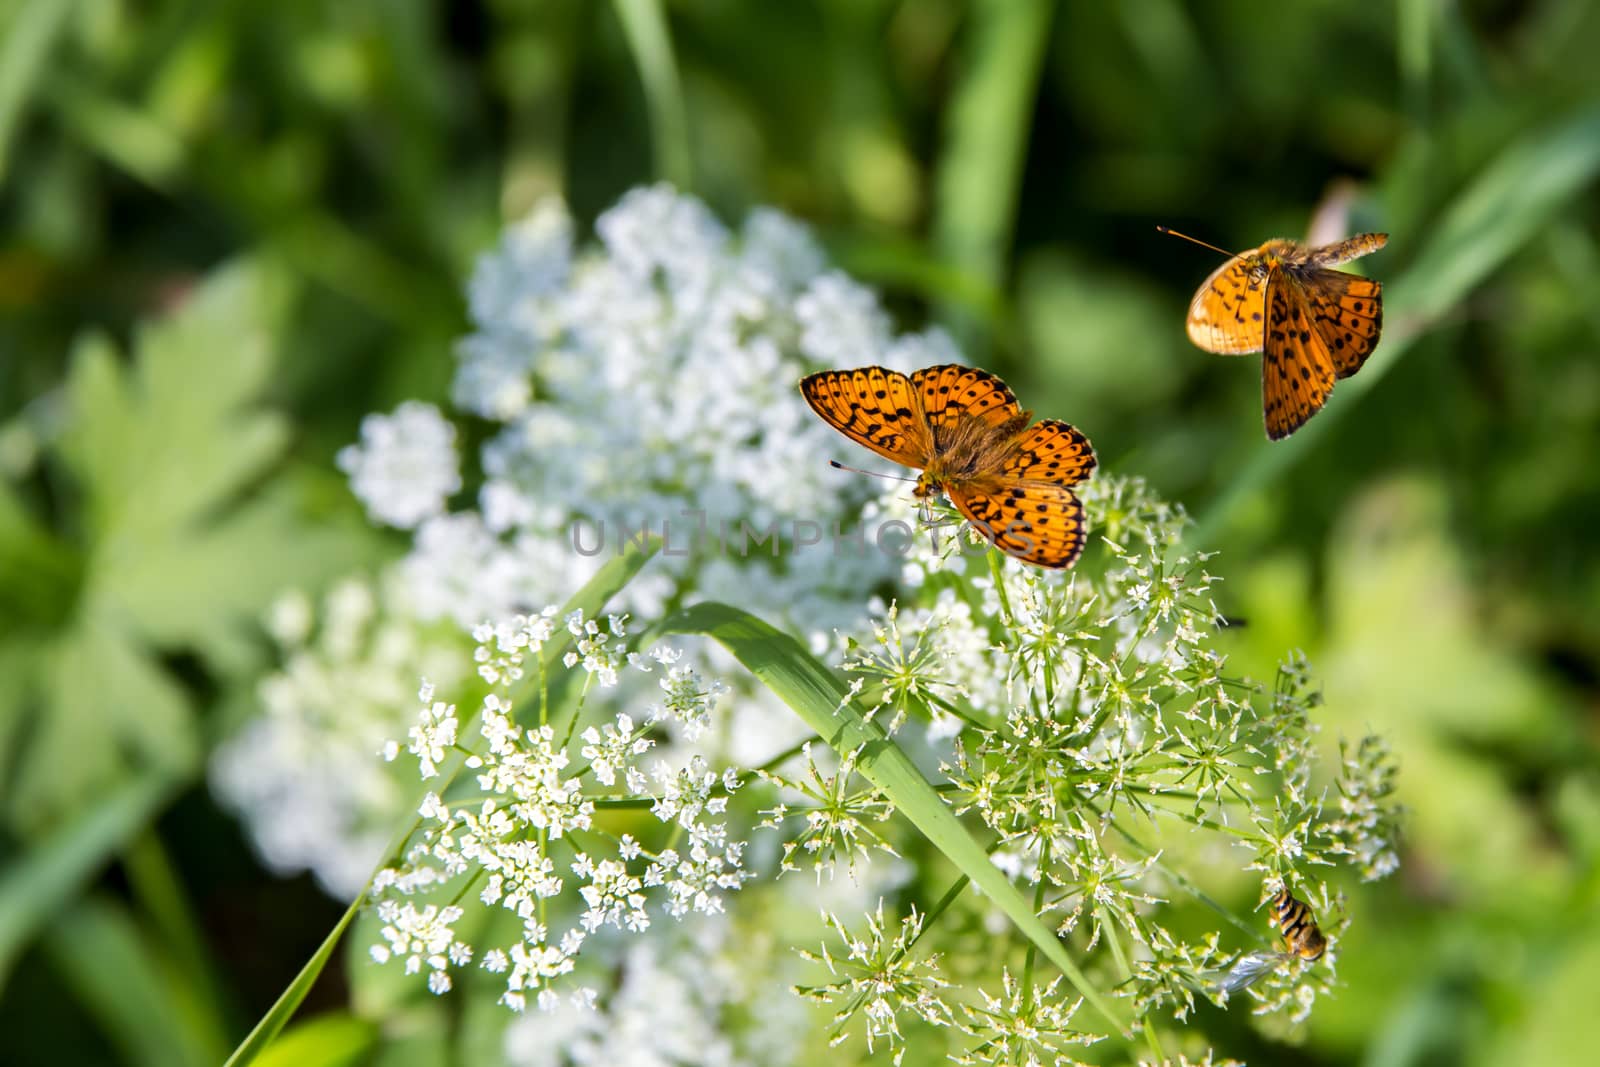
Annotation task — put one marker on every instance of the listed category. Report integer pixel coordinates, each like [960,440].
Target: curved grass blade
[290,999]
[818,696]
[59,867]
[29,35]
[644,24]
[980,172]
[591,599]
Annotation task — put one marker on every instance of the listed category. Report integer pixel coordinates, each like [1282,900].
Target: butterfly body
[968,452]
[1313,324]
[963,429]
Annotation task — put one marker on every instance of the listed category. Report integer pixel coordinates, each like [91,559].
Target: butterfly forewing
[1050,451]
[1297,372]
[1226,315]
[1037,522]
[873,407]
[949,392]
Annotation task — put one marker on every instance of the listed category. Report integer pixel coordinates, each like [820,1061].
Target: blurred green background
[1000,167]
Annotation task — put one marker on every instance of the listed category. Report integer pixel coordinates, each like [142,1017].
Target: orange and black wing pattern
[1228,313]
[1348,312]
[874,407]
[1050,451]
[1037,522]
[1028,509]
[951,392]
[1297,372]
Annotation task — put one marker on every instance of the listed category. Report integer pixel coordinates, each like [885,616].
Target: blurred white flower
[681,995]
[645,380]
[405,467]
[305,774]
[648,384]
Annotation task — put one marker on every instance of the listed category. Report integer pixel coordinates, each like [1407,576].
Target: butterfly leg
[932,527]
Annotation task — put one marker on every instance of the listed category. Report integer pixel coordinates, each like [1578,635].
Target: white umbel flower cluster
[643,379]
[648,383]
[526,840]
[405,467]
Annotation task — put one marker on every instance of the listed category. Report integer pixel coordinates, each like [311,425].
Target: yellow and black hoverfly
[1302,939]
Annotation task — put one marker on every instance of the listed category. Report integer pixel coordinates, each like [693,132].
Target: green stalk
[980,173]
[645,26]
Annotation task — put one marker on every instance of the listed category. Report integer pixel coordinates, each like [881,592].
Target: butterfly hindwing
[1036,522]
[1227,313]
[1297,372]
[873,407]
[1348,312]
[1050,451]
[949,391]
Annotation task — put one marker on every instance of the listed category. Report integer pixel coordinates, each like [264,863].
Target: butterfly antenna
[1169,230]
[871,474]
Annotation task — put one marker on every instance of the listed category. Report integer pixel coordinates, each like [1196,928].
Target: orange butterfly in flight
[965,432]
[1312,324]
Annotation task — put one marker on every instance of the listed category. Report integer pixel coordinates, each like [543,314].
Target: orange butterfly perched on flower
[965,432]
[1312,324]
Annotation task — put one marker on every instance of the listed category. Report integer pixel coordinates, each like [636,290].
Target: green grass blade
[158,891]
[290,999]
[33,887]
[1515,197]
[591,599]
[645,26]
[143,1008]
[819,697]
[29,35]
[980,173]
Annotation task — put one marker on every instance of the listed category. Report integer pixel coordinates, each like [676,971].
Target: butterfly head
[929,483]
[1274,255]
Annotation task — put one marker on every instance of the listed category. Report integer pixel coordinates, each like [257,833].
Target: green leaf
[107,710]
[35,884]
[39,575]
[160,446]
[818,696]
[181,541]
[106,959]
[591,600]
[332,1040]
